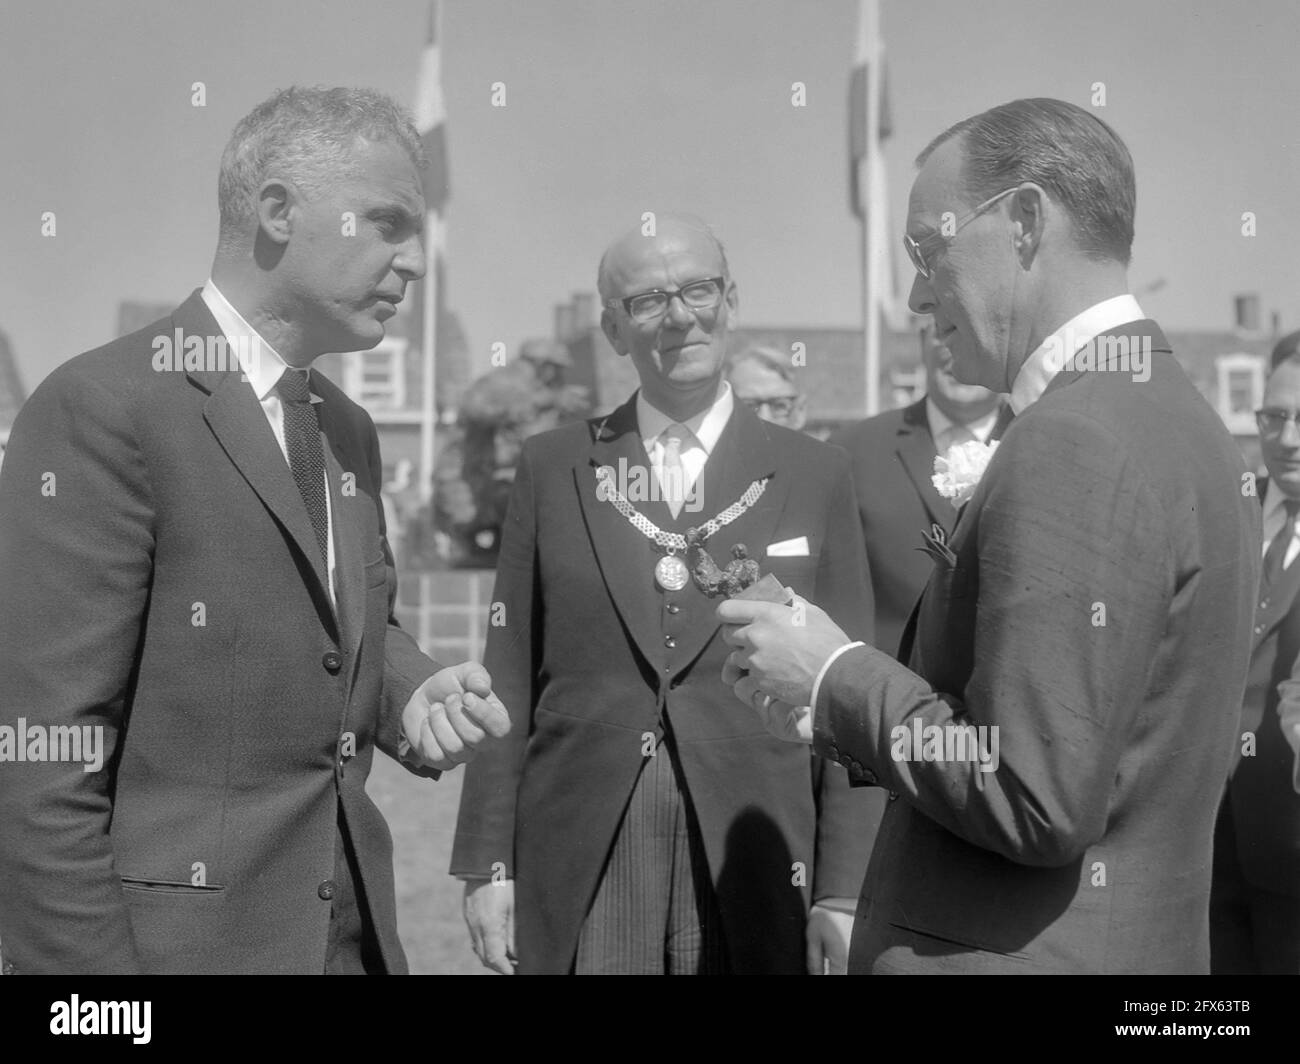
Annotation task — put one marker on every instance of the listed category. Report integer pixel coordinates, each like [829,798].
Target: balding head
[668,227]
[678,348]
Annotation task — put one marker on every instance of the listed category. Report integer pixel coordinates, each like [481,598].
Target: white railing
[449,614]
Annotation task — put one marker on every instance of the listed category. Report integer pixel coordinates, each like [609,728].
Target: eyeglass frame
[1289,417]
[758,404]
[672,293]
[913,247]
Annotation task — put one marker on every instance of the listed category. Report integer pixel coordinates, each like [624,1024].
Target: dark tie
[1277,548]
[306,455]
[1005,416]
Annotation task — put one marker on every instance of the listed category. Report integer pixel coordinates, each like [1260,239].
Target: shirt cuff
[817,684]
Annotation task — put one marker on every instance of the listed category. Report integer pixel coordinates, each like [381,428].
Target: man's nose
[1290,434]
[679,313]
[410,259]
[921,297]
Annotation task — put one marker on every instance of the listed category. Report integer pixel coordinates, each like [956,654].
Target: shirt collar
[1048,358]
[1274,497]
[264,368]
[706,426]
[981,428]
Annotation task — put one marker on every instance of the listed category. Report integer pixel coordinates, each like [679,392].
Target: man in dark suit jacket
[638,820]
[892,455]
[196,583]
[1255,903]
[1061,734]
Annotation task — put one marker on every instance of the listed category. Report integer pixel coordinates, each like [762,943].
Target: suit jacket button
[670,642]
[1259,628]
[1264,605]
[672,607]
[893,796]
[326,890]
[332,661]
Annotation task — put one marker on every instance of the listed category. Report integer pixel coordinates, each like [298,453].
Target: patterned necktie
[306,455]
[672,475]
[1276,552]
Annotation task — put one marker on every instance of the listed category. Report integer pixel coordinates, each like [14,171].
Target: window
[1240,391]
[377,378]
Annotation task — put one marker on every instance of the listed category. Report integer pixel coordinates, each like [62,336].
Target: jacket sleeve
[845,814]
[1067,525]
[76,558]
[485,827]
[406,666]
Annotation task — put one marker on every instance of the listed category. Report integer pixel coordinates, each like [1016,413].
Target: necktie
[1005,416]
[1276,552]
[306,455]
[672,473]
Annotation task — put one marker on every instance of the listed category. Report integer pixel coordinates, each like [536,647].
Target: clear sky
[619,106]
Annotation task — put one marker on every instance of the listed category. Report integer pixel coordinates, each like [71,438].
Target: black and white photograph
[681,487]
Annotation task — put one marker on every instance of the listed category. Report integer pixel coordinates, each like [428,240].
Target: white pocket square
[789,548]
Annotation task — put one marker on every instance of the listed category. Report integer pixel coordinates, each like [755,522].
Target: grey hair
[767,357]
[688,221]
[306,135]
[1286,349]
[1075,156]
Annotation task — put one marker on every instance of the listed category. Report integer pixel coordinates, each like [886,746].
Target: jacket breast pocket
[796,573]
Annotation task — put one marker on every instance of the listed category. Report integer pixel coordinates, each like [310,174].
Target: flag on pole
[431,118]
[869,51]
[869,124]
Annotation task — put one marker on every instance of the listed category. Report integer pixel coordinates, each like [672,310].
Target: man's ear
[1030,207]
[609,326]
[732,299]
[275,202]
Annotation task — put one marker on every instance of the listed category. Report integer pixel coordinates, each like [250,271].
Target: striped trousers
[655,911]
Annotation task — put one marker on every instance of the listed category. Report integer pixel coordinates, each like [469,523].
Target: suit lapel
[916,451]
[626,557]
[239,424]
[746,452]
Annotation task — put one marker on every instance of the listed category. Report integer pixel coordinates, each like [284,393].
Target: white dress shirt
[262,371]
[942,426]
[705,429]
[1055,350]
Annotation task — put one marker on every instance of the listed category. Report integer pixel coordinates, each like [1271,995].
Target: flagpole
[430,115]
[867,175]
[429,345]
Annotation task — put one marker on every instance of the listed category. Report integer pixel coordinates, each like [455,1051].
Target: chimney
[584,312]
[1247,312]
[563,321]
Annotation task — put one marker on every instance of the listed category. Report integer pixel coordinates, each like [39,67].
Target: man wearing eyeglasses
[1062,730]
[761,379]
[641,821]
[1255,903]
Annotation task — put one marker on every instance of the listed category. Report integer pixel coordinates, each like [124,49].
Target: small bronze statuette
[740,573]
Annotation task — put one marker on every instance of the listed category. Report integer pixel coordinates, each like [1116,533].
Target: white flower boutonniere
[958,472]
